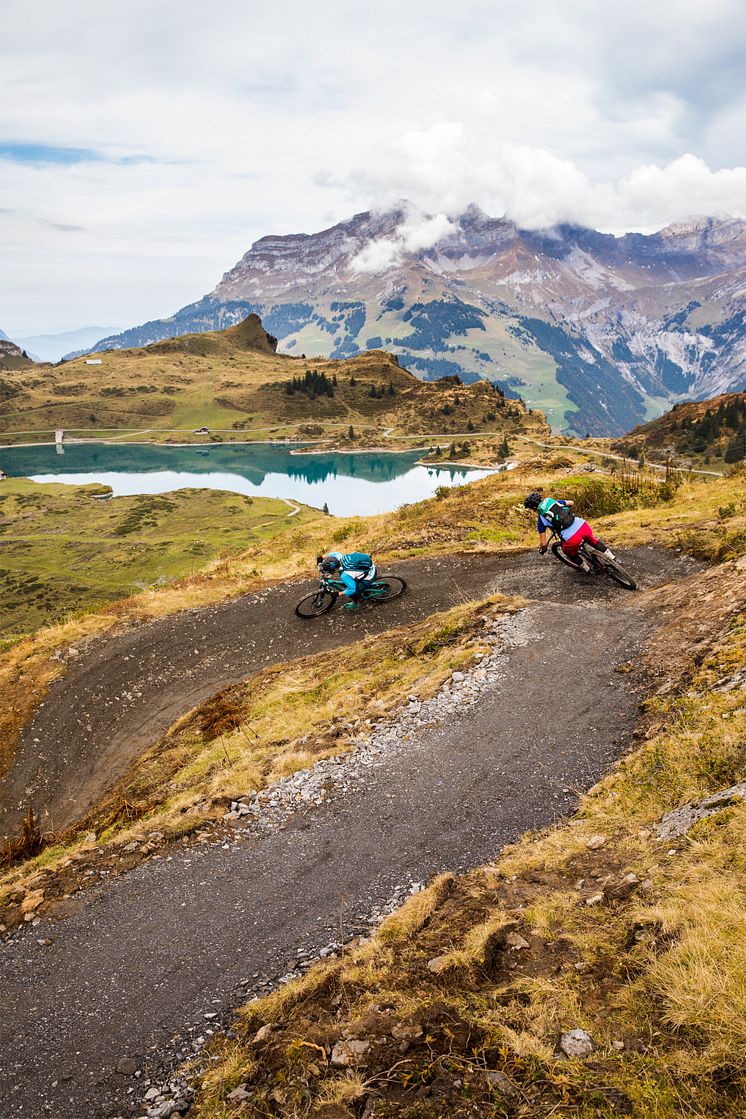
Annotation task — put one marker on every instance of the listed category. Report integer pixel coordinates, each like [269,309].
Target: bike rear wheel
[384,588]
[314,604]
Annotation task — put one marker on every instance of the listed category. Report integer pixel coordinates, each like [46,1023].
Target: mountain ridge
[231,382]
[601,332]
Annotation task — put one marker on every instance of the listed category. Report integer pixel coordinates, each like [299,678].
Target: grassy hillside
[461,998]
[63,550]
[703,433]
[707,518]
[233,383]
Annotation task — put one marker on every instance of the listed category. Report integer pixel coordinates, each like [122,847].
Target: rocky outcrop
[681,820]
[12,356]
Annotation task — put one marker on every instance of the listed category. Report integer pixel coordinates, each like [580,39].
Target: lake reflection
[363,483]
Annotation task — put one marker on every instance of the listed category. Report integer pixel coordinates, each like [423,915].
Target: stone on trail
[127,1067]
[595,842]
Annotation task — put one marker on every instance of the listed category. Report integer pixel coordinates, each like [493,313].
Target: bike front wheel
[620,576]
[385,588]
[314,604]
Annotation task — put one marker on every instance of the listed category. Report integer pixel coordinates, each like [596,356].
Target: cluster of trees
[435,322]
[312,384]
[454,451]
[727,421]
[380,392]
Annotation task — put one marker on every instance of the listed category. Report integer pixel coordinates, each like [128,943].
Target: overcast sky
[144,145]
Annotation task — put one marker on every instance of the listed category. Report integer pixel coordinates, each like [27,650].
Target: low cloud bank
[440,172]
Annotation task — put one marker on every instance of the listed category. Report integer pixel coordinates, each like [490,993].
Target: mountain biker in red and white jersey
[351,568]
[556,515]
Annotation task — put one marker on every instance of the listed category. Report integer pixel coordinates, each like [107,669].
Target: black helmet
[329,564]
[533,500]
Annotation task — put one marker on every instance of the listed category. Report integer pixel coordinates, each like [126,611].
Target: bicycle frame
[590,556]
[366,590]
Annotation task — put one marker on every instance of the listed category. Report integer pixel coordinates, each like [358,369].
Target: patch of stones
[271,808]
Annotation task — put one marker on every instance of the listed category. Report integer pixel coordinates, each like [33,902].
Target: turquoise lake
[363,483]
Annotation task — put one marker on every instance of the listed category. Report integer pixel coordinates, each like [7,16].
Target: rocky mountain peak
[249,334]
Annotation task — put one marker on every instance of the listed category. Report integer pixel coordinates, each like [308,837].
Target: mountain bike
[594,563]
[383,588]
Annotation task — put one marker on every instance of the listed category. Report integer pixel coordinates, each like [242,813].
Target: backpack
[559,516]
[357,561]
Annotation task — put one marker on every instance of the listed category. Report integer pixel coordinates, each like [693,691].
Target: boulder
[576,1043]
[678,822]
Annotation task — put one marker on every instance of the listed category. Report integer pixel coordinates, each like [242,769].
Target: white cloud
[290,120]
[379,255]
[439,169]
[415,233]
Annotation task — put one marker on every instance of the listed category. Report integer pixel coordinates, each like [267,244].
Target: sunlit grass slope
[233,383]
[63,549]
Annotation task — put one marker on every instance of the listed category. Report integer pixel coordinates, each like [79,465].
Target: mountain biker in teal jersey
[353,569]
[556,515]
